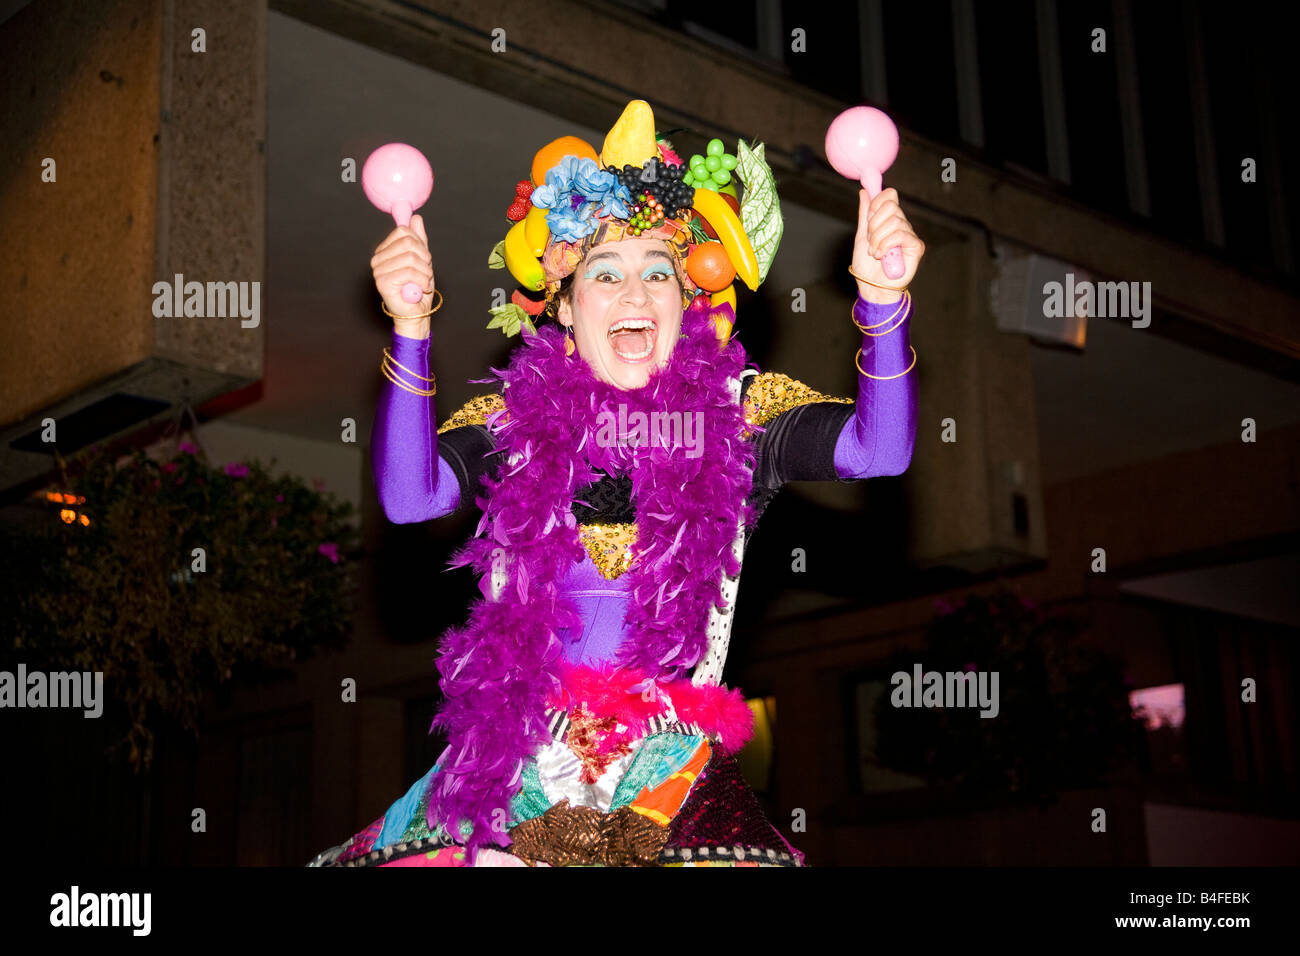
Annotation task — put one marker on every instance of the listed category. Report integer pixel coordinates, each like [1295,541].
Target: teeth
[631,324]
[637,355]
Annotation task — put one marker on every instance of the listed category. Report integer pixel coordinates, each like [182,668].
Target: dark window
[832,59]
[736,22]
[1092,113]
[1238,116]
[1167,118]
[921,67]
[1010,89]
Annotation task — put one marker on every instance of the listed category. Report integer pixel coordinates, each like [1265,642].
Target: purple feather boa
[499,669]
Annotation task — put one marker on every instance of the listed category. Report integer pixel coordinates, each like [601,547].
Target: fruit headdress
[719,214]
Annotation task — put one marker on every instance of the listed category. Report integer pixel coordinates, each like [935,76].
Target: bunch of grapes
[660,182]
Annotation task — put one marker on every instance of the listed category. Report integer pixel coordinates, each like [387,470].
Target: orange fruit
[553,153]
[710,267]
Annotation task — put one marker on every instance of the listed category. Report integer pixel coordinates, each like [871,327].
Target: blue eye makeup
[659,270]
[604,270]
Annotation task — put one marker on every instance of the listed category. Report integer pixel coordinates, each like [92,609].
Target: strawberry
[524,189]
[518,210]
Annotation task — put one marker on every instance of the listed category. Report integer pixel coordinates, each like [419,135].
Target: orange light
[68,515]
[85,521]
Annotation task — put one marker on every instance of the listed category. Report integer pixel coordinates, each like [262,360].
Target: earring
[568,342]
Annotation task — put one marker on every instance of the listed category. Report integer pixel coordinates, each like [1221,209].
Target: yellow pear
[630,141]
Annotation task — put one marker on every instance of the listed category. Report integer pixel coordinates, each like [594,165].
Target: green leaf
[760,211]
[528,324]
[497,260]
[508,318]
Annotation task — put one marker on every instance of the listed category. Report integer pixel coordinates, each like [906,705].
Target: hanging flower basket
[173,577]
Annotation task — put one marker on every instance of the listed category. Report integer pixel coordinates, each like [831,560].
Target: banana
[521,262]
[723,326]
[714,209]
[536,231]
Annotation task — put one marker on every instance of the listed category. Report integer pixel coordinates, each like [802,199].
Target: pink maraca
[398,180]
[861,143]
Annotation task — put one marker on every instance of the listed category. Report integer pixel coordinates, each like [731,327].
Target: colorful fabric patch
[530,801]
[661,756]
[661,804]
[363,842]
[443,856]
[398,818]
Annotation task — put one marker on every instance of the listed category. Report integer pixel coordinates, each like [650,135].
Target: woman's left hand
[881,226]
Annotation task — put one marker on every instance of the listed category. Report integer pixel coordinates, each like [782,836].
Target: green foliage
[123,594]
[1064,719]
[510,318]
[760,210]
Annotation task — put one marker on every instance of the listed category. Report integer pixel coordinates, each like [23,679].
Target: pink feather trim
[607,692]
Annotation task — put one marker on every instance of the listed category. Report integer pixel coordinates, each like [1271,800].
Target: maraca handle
[892,263]
[402,216]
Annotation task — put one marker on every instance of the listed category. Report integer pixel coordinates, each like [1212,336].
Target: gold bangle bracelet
[387,369]
[422,392]
[423,315]
[884,378]
[902,307]
[888,288]
[392,361]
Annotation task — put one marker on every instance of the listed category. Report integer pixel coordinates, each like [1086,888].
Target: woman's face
[625,310]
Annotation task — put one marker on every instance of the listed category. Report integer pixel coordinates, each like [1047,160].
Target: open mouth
[633,340]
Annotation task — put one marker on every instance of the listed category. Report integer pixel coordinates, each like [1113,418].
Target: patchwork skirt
[669,797]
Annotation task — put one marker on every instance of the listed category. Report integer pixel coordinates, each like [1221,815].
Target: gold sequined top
[610,545]
[474,412]
[771,393]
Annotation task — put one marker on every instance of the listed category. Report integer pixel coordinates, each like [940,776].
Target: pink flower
[279,497]
[169,467]
[188,449]
[943,607]
[237,469]
[330,550]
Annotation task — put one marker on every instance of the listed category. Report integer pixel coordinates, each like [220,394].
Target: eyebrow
[614,255]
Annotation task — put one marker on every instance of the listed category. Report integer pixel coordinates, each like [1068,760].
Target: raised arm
[814,437]
[414,483]
[878,438]
[412,480]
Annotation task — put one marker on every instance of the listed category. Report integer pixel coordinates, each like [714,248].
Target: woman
[620,469]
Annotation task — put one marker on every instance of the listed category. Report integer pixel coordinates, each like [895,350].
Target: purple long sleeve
[878,439]
[412,482]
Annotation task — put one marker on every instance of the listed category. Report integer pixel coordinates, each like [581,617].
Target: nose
[636,290]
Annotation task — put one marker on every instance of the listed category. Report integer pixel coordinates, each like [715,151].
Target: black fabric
[608,501]
[797,445]
[469,451]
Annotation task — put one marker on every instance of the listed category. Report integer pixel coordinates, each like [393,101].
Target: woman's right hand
[404,257]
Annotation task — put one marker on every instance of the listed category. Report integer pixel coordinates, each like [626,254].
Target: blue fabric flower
[558,186]
[590,180]
[568,224]
[577,191]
